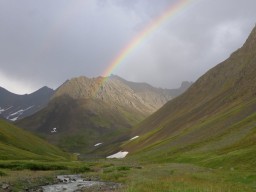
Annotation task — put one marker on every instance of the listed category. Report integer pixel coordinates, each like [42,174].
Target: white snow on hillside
[3,110]
[98,144]
[14,116]
[134,138]
[118,155]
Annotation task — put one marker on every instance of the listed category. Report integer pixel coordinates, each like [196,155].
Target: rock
[78,184]
[5,186]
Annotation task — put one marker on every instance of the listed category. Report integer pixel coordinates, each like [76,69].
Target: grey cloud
[46,42]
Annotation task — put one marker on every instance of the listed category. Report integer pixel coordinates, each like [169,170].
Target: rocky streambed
[75,183]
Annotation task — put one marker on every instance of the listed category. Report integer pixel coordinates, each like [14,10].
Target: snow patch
[17,114]
[54,130]
[14,119]
[119,155]
[134,138]
[98,144]
[3,110]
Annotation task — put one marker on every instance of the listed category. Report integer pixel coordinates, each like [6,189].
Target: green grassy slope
[213,123]
[17,144]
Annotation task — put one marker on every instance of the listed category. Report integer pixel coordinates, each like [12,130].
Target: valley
[86,111]
[110,134]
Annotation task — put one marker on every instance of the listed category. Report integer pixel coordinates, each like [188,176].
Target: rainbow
[171,11]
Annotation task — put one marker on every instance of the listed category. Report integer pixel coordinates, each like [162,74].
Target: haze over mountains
[85,111]
[213,121]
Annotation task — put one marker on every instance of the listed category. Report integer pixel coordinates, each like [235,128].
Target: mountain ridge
[85,111]
[14,106]
[119,91]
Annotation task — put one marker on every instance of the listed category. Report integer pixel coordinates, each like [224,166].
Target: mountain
[117,91]
[17,144]
[156,97]
[213,122]
[86,111]
[14,107]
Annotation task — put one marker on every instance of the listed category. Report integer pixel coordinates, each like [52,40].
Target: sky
[45,42]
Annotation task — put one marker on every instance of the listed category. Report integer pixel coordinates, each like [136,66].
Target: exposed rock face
[117,91]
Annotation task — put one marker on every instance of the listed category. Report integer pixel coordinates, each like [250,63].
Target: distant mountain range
[85,111]
[213,122]
[14,107]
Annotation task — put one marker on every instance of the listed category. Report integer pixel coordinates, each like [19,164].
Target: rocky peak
[119,92]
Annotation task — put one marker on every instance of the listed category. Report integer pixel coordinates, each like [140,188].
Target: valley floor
[130,176]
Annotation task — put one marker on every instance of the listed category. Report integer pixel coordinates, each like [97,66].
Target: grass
[16,143]
[135,177]
[188,178]
[33,166]
[222,163]
[29,174]
[2,174]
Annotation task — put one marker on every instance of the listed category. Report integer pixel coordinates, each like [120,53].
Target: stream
[71,183]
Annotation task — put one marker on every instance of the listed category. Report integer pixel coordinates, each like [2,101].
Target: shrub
[81,169]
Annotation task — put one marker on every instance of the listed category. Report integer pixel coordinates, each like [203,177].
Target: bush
[80,169]
[31,166]
[123,168]
[2,174]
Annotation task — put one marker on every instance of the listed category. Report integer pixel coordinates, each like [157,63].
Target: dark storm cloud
[46,42]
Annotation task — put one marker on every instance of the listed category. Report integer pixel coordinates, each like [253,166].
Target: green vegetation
[202,141]
[81,124]
[133,176]
[29,174]
[16,143]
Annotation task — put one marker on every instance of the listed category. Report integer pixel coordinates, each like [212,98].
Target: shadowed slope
[14,107]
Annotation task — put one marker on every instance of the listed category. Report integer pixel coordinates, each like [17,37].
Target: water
[71,183]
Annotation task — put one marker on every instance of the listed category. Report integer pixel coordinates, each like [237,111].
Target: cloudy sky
[46,42]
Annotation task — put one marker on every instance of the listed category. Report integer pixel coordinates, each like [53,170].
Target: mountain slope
[86,111]
[213,121]
[137,96]
[17,144]
[156,97]
[14,107]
